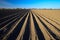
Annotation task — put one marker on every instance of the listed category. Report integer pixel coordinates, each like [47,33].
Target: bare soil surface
[25,24]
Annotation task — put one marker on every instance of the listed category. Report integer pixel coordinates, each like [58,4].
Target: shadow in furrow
[11,15]
[16,31]
[4,32]
[51,24]
[27,30]
[7,21]
[48,29]
[38,31]
[2,20]
[53,20]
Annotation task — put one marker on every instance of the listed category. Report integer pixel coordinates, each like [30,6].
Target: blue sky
[30,4]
